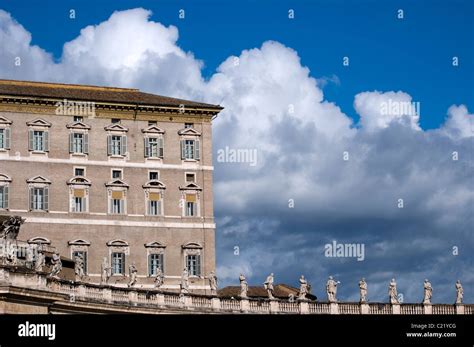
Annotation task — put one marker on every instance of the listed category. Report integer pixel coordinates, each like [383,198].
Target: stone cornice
[37,105]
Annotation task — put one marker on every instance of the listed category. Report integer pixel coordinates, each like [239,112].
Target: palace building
[111,172]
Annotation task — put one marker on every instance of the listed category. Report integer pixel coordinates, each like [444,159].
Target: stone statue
[244,286]
[159,279]
[392,292]
[331,289]
[40,261]
[268,285]
[304,288]
[57,265]
[132,271]
[363,291]
[184,282]
[105,271]
[11,257]
[29,257]
[10,227]
[213,283]
[459,292]
[428,292]
[79,266]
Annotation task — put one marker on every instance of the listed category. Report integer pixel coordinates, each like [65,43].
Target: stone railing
[21,250]
[131,298]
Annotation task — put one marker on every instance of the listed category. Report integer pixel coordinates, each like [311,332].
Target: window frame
[4,193]
[197,267]
[5,128]
[116,170]
[112,263]
[161,257]
[35,192]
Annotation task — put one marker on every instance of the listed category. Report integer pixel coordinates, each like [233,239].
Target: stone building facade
[111,172]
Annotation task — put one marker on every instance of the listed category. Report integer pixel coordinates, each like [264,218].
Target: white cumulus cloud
[377,110]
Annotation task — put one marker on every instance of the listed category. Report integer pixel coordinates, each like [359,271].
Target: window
[190,149]
[188,125]
[39,199]
[154,204]
[153,175]
[78,203]
[117,144]
[190,208]
[117,206]
[38,141]
[5,138]
[115,120]
[118,263]
[38,135]
[78,119]
[79,171]
[155,261]
[153,147]
[78,143]
[84,256]
[79,191]
[4,197]
[190,177]
[117,202]
[117,174]
[193,264]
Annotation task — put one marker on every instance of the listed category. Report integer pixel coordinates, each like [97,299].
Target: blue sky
[413,54]
[291,100]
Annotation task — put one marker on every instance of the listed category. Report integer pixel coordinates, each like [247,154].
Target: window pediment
[190,186]
[39,240]
[116,127]
[38,122]
[191,245]
[78,126]
[5,178]
[154,184]
[79,242]
[117,243]
[189,131]
[5,121]
[154,244]
[79,180]
[117,183]
[153,129]
[39,179]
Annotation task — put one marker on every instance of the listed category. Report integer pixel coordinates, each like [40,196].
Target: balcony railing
[163,301]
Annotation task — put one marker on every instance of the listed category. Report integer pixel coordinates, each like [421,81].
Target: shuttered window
[190,149]
[5,138]
[38,140]
[116,145]
[39,199]
[153,147]
[4,197]
[79,143]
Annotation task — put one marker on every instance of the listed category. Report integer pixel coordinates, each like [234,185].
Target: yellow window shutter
[117,195]
[154,196]
[79,193]
[190,197]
